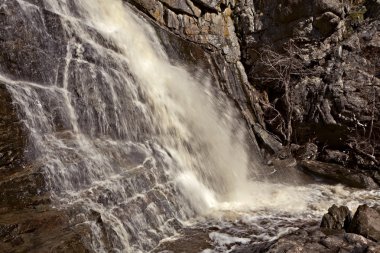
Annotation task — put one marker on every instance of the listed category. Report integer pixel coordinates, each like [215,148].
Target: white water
[141,141]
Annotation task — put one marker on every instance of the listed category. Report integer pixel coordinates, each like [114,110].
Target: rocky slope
[316,68]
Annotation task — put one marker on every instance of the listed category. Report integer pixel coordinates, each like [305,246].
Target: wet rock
[339,174]
[12,135]
[313,240]
[366,222]
[268,140]
[24,189]
[331,237]
[45,230]
[334,156]
[308,151]
[337,218]
[27,52]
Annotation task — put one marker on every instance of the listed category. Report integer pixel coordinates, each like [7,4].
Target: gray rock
[339,174]
[334,156]
[308,151]
[268,140]
[337,218]
[366,222]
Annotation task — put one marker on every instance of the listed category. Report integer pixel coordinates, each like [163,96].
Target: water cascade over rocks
[126,134]
[121,132]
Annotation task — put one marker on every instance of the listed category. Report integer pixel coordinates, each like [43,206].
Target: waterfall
[124,133]
[143,145]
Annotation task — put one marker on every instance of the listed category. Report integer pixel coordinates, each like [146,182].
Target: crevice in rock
[223,7]
[204,7]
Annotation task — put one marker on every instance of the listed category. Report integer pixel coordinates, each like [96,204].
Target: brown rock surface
[366,222]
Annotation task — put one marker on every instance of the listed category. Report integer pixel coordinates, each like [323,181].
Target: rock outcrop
[314,67]
[208,23]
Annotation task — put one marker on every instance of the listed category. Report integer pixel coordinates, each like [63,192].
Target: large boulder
[366,222]
[336,218]
[339,174]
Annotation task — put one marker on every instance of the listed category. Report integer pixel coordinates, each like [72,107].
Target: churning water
[128,135]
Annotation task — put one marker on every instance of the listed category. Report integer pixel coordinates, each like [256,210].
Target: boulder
[366,222]
[334,156]
[339,174]
[327,23]
[337,218]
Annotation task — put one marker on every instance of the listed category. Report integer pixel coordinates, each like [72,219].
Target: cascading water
[120,133]
[124,133]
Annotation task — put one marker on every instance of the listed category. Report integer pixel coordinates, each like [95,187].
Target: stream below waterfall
[155,151]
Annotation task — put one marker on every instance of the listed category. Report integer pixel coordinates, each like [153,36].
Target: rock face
[12,137]
[27,221]
[206,22]
[326,83]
